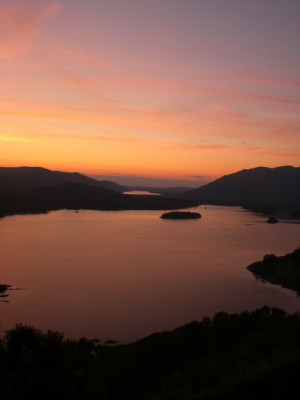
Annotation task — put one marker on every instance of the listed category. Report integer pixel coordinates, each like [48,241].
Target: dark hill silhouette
[278,187]
[251,355]
[75,196]
[30,189]
[17,179]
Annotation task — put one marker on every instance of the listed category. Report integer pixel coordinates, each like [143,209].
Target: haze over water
[127,274]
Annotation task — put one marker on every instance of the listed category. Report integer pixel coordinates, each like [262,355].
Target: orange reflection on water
[126,274]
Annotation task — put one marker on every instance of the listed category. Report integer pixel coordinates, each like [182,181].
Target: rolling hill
[277,187]
[38,190]
[19,178]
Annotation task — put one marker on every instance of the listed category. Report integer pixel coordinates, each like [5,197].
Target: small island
[3,295]
[272,220]
[3,288]
[181,215]
[283,271]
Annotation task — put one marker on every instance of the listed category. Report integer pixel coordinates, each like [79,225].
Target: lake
[123,275]
[142,193]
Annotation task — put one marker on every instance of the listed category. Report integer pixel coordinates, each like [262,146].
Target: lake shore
[283,271]
[230,356]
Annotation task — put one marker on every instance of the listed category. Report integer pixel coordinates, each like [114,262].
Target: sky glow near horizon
[169,89]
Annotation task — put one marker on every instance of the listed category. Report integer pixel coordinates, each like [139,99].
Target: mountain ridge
[30,190]
[13,179]
[279,186]
[37,189]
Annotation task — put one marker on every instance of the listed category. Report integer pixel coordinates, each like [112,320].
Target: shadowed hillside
[75,196]
[258,188]
[38,190]
[17,179]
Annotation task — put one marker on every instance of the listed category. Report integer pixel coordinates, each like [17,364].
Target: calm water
[142,193]
[124,275]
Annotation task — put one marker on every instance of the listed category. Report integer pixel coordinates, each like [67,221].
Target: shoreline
[281,270]
[203,359]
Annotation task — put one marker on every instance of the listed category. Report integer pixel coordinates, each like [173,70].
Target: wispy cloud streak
[20,25]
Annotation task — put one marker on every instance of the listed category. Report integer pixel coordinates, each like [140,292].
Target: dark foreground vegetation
[252,355]
[284,270]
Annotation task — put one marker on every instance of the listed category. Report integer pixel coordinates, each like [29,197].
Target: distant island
[3,295]
[272,220]
[181,215]
[283,271]
[3,288]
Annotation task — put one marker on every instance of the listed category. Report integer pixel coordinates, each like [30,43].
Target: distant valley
[36,190]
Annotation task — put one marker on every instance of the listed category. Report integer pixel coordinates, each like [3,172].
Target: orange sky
[158,88]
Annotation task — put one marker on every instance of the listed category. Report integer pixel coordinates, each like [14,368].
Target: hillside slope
[19,178]
[74,196]
[273,186]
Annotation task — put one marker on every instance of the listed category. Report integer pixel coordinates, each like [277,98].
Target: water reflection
[123,275]
[142,193]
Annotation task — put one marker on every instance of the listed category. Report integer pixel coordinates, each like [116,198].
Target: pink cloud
[85,87]
[20,25]
[275,152]
[85,57]
[136,122]
[186,146]
[230,113]
[261,78]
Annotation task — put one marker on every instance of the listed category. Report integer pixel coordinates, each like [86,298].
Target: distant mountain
[278,187]
[38,190]
[19,178]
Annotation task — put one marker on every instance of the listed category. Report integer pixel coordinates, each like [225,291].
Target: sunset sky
[179,90]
